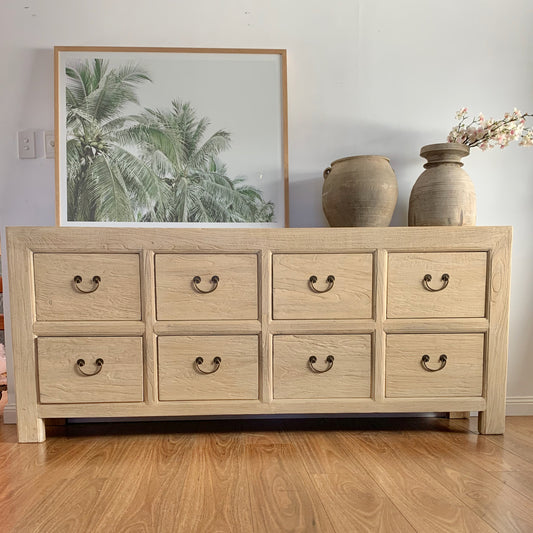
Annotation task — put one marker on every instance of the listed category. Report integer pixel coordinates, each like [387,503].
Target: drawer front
[461,375]
[115,297]
[462,295]
[349,295]
[118,379]
[181,373]
[347,375]
[233,296]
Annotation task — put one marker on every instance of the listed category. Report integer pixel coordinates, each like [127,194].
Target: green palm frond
[104,182]
[146,187]
[112,202]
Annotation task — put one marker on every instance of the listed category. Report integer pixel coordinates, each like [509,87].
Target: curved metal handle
[313,279]
[200,360]
[99,363]
[197,279]
[312,360]
[427,278]
[96,283]
[442,361]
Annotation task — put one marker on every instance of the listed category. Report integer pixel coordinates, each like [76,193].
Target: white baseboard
[516,406]
[10,414]
[519,406]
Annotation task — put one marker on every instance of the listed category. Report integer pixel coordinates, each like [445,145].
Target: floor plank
[214,495]
[270,475]
[281,495]
[343,483]
[504,508]
[411,488]
[516,439]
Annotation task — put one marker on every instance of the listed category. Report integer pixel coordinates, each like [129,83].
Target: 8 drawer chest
[145,322]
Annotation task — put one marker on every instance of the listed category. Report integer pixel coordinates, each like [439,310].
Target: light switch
[49,144]
[26,142]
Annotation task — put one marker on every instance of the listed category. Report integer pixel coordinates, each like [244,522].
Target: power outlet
[49,144]
[26,144]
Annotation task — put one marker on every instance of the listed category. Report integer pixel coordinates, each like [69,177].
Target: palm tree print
[156,166]
[105,181]
[173,142]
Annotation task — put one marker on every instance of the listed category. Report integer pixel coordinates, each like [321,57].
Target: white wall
[364,77]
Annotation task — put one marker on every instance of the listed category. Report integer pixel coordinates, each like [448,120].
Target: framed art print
[171,137]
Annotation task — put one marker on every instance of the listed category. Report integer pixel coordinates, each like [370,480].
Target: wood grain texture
[380,313]
[422,500]
[236,378]
[281,497]
[151,391]
[464,295]
[461,376]
[116,298]
[348,377]
[119,380]
[266,380]
[206,327]
[235,297]
[436,325]
[350,296]
[504,508]
[220,501]
[345,485]
[517,440]
[244,476]
[93,328]
[22,307]
[184,408]
[360,253]
[495,377]
[295,240]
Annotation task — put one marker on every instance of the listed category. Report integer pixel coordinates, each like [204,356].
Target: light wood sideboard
[146,322]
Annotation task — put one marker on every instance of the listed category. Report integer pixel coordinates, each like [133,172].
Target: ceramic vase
[444,194]
[359,191]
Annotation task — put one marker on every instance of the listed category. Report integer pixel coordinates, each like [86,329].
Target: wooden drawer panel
[235,379]
[461,376]
[464,295]
[350,295]
[235,296]
[348,377]
[119,380]
[58,296]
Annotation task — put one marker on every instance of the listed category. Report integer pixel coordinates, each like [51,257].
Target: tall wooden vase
[444,194]
[360,190]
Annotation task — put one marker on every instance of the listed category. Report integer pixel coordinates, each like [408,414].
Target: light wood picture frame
[192,137]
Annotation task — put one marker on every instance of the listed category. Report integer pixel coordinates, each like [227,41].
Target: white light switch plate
[49,144]
[26,144]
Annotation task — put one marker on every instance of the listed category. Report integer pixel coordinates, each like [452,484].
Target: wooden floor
[417,474]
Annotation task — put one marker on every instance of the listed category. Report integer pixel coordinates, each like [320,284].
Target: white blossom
[489,133]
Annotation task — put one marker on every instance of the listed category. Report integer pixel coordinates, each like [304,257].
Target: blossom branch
[490,133]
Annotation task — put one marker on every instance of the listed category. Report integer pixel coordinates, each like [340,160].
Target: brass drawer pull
[99,363]
[442,361]
[329,361]
[200,360]
[427,278]
[96,283]
[313,279]
[197,279]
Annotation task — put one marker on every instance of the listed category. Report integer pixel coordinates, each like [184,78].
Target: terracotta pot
[444,194]
[359,191]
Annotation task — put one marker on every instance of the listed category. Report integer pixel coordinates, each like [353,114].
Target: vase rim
[455,147]
[360,157]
